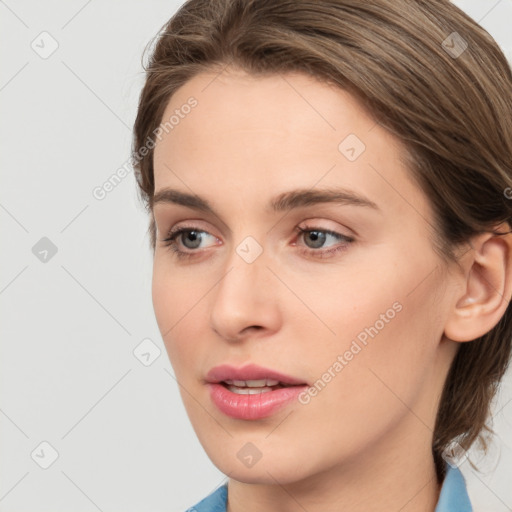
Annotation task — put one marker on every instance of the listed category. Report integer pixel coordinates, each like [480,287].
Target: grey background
[72,320]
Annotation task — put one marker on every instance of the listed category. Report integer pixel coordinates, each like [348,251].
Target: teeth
[252,383]
[249,391]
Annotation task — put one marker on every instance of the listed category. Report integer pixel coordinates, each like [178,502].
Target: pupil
[318,238]
[194,238]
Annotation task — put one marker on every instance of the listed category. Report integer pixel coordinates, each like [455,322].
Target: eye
[318,237]
[191,235]
[191,238]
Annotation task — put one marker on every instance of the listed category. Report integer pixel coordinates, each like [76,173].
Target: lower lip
[252,407]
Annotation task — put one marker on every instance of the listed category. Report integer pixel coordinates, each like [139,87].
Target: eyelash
[171,244]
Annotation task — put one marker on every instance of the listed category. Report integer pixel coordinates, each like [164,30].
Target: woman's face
[353,308]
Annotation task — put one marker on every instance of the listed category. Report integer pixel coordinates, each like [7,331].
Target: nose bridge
[244,293]
[244,275]
[245,266]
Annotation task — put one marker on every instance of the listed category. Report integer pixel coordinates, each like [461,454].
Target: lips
[252,392]
[257,376]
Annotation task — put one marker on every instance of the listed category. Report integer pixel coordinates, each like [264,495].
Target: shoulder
[214,502]
[453,495]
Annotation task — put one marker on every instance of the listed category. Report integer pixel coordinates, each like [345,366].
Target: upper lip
[248,372]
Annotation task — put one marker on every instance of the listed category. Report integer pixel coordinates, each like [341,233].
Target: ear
[485,286]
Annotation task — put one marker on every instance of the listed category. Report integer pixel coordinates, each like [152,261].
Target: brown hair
[452,113]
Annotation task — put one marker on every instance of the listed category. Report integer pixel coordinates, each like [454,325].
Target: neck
[402,476]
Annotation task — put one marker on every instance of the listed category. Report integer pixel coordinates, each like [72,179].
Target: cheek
[181,305]
[387,326]
[173,303]
[162,296]
[174,290]
[380,387]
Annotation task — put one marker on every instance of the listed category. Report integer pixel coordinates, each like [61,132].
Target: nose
[245,303]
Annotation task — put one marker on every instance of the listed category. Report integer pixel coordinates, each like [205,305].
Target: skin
[364,442]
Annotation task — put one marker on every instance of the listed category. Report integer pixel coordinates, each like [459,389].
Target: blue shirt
[453,497]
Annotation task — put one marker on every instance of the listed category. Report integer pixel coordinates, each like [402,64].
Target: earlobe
[486,286]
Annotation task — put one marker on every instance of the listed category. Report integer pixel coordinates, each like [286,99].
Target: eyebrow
[283,202]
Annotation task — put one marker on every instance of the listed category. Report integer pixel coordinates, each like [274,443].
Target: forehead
[288,108]
[254,133]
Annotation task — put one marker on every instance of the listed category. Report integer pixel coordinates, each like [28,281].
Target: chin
[267,471]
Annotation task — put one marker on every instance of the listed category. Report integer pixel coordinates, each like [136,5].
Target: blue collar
[453,497]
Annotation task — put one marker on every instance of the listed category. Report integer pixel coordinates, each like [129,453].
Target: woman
[328,187]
